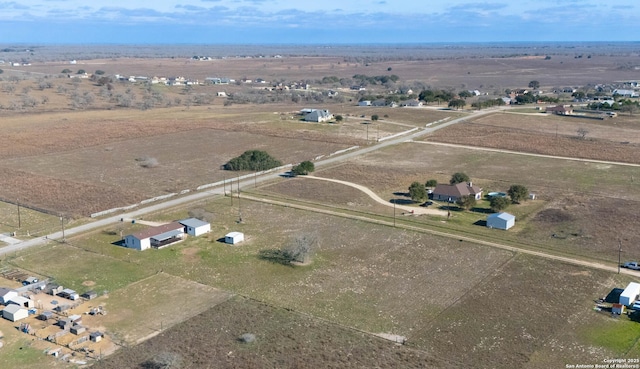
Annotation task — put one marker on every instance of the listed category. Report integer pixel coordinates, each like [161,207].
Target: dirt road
[409,209]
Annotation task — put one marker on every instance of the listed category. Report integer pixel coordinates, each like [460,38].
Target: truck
[634,265]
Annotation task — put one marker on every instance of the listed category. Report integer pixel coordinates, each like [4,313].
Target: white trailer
[630,294]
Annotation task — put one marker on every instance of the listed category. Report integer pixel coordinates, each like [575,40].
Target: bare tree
[301,248]
[582,133]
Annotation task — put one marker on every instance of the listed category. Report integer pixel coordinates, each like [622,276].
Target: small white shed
[233,238]
[501,220]
[14,313]
[630,294]
[195,227]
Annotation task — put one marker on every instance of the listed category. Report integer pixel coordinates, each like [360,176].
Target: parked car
[634,265]
[636,306]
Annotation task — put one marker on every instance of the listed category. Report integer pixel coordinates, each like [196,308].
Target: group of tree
[517,193]
[253,160]
[435,95]
[623,105]
[303,168]
[457,103]
[482,104]
[374,80]
[530,98]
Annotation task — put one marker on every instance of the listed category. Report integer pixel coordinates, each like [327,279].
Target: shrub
[253,160]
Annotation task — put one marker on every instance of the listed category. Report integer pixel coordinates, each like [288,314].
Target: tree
[518,193]
[252,160]
[417,191]
[81,71]
[582,133]
[498,203]
[66,71]
[300,249]
[375,117]
[466,202]
[99,72]
[1,71]
[339,118]
[534,84]
[459,178]
[457,103]
[464,94]
[303,168]
[431,183]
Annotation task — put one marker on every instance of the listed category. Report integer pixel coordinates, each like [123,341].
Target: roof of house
[19,299]
[13,308]
[4,291]
[233,234]
[503,215]
[155,231]
[456,190]
[167,235]
[193,222]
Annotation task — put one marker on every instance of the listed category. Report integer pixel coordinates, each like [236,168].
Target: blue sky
[316,21]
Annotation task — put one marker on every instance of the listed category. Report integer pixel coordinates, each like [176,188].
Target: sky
[315,21]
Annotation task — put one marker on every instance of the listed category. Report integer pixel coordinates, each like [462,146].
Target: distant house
[233,238]
[560,110]
[625,93]
[7,294]
[501,221]
[195,227]
[364,103]
[451,193]
[157,237]
[89,295]
[14,313]
[411,103]
[318,116]
[68,293]
[379,102]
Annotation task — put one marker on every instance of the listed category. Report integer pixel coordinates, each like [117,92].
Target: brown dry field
[616,139]
[487,73]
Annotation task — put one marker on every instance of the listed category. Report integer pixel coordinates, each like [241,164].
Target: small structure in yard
[96,336]
[89,295]
[318,116]
[68,293]
[53,289]
[630,294]
[195,227]
[157,237]
[45,315]
[233,238]
[22,301]
[7,294]
[14,313]
[78,329]
[617,309]
[501,220]
[30,280]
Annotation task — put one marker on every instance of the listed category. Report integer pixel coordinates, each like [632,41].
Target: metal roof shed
[233,238]
[195,227]
[501,221]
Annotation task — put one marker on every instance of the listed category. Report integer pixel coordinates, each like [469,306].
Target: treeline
[487,103]
[530,98]
[253,160]
[364,79]
[436,95]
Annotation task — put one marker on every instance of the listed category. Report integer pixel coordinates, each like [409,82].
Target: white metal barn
[14,312]
[501,221]
[7,294]
[195,227]
[21,301]
[630,294]
[233,238]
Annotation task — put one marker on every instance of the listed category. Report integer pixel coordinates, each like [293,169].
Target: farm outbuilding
[22,301]
[233,238]
[14,313]
[195,227]
[501,221]
[7,294]
[78,329]
[89,295]
[630,294]
[96,336]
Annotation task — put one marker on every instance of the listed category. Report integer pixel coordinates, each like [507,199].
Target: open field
[616,139]
[384,280]
[283,339]
[573,196]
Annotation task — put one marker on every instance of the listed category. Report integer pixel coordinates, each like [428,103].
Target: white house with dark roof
[195,227]
[157,237]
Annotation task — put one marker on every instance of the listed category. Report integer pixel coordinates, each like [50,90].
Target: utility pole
[18,203]
[239,209]
[62,224]
[394,213]
[619,256]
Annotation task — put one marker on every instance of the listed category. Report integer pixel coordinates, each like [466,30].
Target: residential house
[625,93]
[411,103]
[364,103]
[451,192]
[318,116]
[157,237]
[560,110]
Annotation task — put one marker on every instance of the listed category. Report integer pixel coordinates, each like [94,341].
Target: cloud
[13,5]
